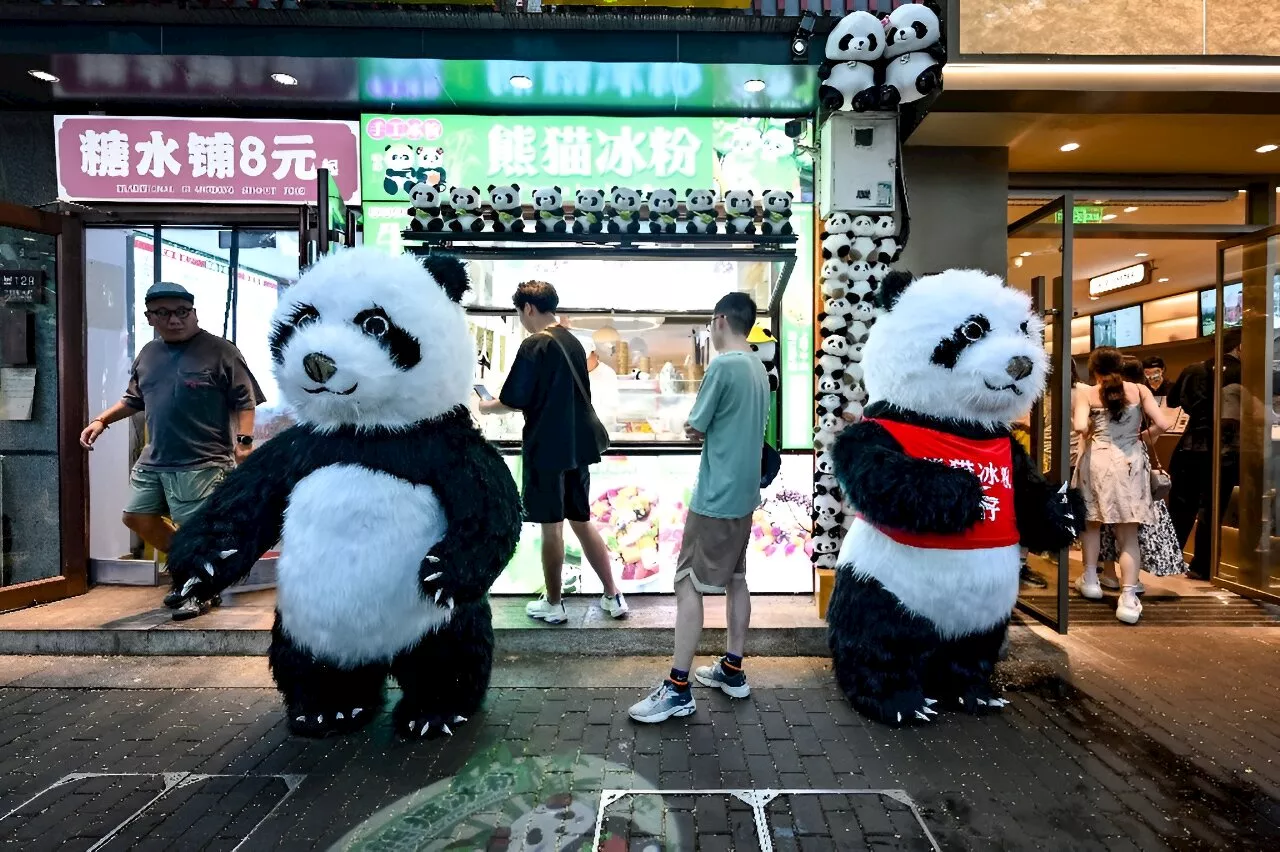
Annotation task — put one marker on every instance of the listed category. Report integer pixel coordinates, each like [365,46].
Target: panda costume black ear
[450,273]
[892,287]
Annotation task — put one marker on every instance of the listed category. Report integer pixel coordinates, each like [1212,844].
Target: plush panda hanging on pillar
[942,495]
[394,514]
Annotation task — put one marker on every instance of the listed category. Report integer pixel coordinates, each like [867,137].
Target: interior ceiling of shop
[121,83]
[1114,144]
[1188,264]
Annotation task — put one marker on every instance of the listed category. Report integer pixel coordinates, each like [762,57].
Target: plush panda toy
[847,74]
[508,209]
[394,514]
[765,346]
[839,223]
[622,213]
[465,203]
[425,213]
[943,497]
[913,54]
[775,212]
[835,316]
[837,247]
[588,211]
[739,212]
[548,210]
[400,169]
[700,211]
[664,211]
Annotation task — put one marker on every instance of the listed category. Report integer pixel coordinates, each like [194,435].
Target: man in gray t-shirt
[191,384]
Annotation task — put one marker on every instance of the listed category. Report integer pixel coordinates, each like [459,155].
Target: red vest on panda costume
[989,459]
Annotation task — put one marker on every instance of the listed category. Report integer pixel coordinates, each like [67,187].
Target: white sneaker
[1129,609]
[616,606]
[1111,584]
[544,610]
[1089,591]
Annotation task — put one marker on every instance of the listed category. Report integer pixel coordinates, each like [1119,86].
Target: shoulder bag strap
[572,369]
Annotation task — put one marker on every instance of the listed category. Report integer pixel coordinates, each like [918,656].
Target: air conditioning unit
[858,164]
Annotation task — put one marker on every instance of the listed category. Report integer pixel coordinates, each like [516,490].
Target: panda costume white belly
[943,496]
[393,514]
[348,592]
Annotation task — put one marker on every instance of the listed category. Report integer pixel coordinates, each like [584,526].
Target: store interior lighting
[800,41]
[1267,149]
[1108,217]
[754,86]
[519,81]
[1162,280]
[1131,209]
[1069,147]
[285,79]
[1141,254]
[44,76]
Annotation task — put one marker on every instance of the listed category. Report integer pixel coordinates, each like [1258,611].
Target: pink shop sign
[203,160]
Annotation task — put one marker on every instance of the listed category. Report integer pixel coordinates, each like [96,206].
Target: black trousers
[1191,499]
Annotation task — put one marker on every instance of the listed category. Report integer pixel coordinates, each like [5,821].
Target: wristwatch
[244,440]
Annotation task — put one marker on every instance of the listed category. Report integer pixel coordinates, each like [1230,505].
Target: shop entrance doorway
[235,267]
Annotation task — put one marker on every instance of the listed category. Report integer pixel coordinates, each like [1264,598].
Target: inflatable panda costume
[943,497]
[394,515]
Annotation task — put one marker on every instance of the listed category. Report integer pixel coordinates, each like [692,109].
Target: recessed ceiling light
[1267,149]
[520,81]
[285,79]
[1162,280]
[1141,254]
[43,75]
[1093,298]
[1017,261]
[1131,209]
[1026,254]
[1069,147]
[1108,217]
[1098,201]
[754,85]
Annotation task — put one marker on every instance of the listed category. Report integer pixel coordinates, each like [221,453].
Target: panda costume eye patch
[281,333]
[947,352]
[403,347]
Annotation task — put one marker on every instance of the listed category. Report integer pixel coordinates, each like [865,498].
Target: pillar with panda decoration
[875,67]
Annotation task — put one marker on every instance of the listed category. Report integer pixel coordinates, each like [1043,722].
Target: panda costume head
[369,341]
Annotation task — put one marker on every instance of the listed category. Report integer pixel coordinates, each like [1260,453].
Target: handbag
[598,432]
[1161,482]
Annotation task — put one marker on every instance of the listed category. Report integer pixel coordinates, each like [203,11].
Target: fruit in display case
[631,531]
[780,525]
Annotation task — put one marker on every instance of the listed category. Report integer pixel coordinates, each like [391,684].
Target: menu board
[1118,328]
[639,504]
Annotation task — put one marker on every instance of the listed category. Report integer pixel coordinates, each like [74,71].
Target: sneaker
[1030,578]
[734,686]
[663,703]
[1089,591]
[1129,609]
[1111,584]
[616,606]
[544,610]
[194,608]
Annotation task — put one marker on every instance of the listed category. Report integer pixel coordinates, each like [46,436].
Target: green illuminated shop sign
[1082,214]
[397,151]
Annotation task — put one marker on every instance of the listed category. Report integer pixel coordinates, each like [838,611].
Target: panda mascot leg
[444,678]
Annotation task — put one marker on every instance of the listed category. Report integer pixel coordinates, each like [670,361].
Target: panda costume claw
[394,514]
[942,496]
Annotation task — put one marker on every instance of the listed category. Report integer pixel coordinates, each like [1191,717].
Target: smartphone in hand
[483,393]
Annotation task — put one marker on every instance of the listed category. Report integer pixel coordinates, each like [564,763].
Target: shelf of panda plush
[620,211]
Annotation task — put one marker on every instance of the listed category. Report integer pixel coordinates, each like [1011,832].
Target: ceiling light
[754,85]
[1026,254]
[1017,261]
[1162,280]
[1069,147]
[29,239]
[43,75]
[800,40]
[1131,209]
[520,81]
[1099,201]
[1267,149]
[1108,217]
[1141,254]
[1093,298]
[285,79]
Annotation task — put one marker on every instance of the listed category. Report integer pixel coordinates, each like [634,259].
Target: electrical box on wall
[858,165]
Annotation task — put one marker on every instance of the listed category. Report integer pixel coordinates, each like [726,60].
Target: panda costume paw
[943,497]
[400,515]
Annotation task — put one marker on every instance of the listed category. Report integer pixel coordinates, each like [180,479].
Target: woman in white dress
[1113,472]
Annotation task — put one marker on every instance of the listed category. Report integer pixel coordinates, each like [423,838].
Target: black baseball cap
[168,290]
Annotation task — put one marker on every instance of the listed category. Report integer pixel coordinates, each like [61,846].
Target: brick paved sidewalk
[1058,770]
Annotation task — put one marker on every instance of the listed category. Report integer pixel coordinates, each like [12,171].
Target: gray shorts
[713,551]
[176,494]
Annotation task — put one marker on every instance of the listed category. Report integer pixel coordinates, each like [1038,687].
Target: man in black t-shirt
[558,445]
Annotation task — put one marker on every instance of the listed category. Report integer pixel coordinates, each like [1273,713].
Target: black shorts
[551,496]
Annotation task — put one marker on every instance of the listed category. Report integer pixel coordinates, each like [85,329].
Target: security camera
[793,128]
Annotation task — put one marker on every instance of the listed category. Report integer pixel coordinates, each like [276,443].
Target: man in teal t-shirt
[729,417]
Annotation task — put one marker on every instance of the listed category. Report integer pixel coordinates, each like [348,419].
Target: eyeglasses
[165,313]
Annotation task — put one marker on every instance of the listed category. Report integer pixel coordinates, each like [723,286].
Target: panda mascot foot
[393,514]
[943,497]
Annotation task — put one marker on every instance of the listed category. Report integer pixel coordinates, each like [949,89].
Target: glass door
[1040,250]
[42,466]
[1246,419]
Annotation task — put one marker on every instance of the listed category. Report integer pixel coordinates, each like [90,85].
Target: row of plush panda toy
[620,211]
[871,64]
